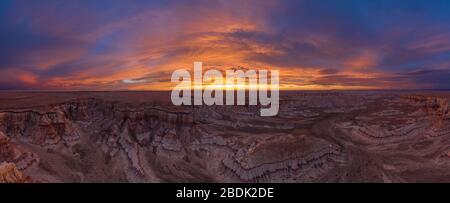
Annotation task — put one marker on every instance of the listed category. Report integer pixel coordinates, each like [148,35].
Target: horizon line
[304,90]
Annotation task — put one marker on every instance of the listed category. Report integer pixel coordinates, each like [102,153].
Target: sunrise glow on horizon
[123,45]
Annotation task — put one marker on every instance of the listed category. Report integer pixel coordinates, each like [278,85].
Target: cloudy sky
[136,45]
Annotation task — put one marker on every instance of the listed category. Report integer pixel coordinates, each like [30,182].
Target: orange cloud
[28,78]
[367,59]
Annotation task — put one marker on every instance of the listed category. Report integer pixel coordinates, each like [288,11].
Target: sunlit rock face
[10,174]
[13,152]
[142,137]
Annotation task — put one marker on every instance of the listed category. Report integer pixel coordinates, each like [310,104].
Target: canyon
[317,136]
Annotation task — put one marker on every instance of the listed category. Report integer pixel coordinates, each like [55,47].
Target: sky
[136,45]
